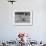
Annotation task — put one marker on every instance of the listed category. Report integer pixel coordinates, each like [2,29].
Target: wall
[9,31]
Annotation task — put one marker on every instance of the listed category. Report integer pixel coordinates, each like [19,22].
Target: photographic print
[23,18]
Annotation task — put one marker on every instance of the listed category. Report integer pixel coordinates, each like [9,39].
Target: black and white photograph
[23,18]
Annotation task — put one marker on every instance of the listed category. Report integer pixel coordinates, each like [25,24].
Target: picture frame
[23,18]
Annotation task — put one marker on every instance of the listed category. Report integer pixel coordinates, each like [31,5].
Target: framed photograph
[22,18]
